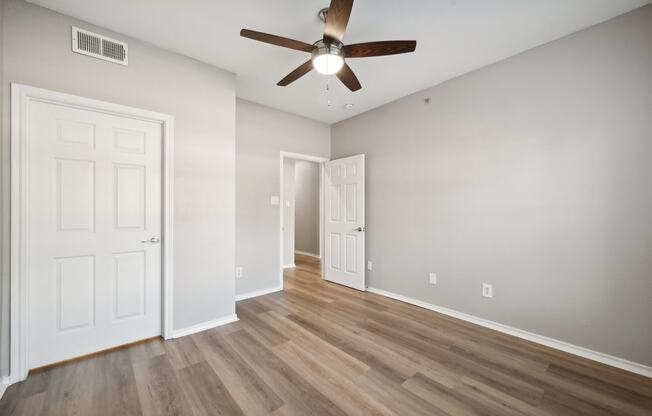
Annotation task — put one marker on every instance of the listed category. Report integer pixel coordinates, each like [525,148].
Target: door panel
[129,196]
[94,196]
[129,141]
[75,133]
[75,195]
[75,292]
[130,284]
[344,225]
[334,251]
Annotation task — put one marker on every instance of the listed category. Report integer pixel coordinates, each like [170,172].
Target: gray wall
[262,133]
[533,174]
[202,100]
[288,211]
[306,197]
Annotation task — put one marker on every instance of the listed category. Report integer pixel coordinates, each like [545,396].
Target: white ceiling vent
[98,46]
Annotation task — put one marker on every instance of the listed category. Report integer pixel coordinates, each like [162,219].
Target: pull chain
[328,94]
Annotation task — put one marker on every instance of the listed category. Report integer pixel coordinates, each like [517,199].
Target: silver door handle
[360,229]
[151,240]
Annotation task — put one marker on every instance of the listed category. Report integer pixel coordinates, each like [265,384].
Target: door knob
[360,229]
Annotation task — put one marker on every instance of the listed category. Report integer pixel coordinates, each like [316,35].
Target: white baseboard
[289,266]
[607,359]
[257,293]
[305,253]
[204,326]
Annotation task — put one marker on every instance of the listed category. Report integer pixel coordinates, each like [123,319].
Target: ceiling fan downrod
[323,14]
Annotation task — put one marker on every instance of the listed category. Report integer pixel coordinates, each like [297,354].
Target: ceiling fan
[329,53]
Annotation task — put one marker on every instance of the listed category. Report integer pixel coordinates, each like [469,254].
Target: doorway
[306,215]
[301,211]
[342,226]
[301,231]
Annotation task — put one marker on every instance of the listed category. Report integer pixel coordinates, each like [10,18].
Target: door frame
[309,158]
[21,97]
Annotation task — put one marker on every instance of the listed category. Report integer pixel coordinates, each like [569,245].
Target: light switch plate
[487,290]
[274,200]
[433,278]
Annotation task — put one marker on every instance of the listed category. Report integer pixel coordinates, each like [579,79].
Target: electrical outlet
[238,272]
[433,278]
[370,265]
[487,290]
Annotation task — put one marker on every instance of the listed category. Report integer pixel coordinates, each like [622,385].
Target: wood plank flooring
[322,349]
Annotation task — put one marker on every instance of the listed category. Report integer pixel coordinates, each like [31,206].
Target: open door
[344,227]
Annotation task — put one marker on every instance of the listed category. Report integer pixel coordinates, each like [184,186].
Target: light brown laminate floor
[322,349]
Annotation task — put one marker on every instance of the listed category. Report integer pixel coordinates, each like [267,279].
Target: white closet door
[94,225]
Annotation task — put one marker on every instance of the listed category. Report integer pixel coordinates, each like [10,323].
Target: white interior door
[344,227]
[94,203]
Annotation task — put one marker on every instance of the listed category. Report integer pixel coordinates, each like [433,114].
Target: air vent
[98,46]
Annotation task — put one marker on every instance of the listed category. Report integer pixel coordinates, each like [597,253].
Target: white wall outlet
[288,203]
[487,290]
[433,278]
[238,272]
[274,200]
[370,265]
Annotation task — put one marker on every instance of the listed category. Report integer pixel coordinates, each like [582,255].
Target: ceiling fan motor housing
[332,47]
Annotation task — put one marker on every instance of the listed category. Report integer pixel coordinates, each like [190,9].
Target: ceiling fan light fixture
[328,53]
[327,58]
[327,64]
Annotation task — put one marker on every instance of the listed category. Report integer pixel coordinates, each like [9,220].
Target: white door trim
[309,158]
[21,97]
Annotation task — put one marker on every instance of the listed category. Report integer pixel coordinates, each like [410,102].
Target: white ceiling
[453,37]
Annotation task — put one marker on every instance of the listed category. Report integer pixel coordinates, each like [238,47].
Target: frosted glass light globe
[327,63]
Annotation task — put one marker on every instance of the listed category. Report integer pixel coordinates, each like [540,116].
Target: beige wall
[262,133]
[533,174]
[202,100]
[306,200]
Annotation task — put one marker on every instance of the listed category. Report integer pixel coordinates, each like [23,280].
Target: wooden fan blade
[337,18]
[382,48]
[296,74]
[276,40]
[348,78]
